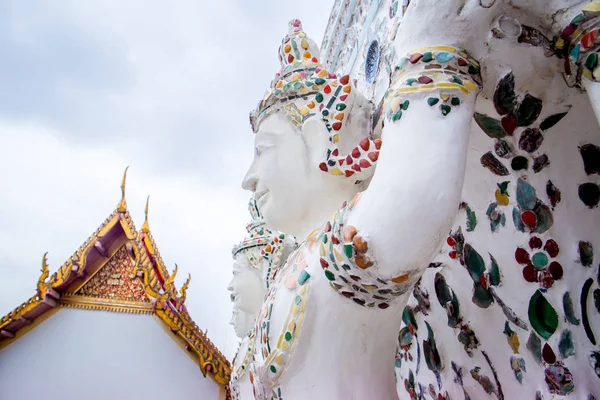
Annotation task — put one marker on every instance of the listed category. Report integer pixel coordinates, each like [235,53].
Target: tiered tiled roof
[118,269]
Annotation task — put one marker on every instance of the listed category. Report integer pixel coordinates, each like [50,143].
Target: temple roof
[119,269]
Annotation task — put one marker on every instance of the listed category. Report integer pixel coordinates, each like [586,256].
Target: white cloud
[91,87]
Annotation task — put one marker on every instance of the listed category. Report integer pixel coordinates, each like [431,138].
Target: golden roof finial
[122,207]
[170,282]
[185,286]
[145,226]
[45,269]
[42,285]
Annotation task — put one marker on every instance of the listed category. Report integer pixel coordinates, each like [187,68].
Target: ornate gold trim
[145,226]
[208,355]
[20,311]
[122,207]
[75,263]
[97,303]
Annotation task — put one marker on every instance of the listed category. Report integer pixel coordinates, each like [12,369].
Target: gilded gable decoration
[118,269]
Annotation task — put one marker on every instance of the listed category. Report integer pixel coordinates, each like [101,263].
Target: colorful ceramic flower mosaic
[539,261]
[519,136]
[530,214]
[495,211]
[518,114]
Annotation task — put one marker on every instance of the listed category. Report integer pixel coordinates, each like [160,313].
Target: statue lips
[258,195]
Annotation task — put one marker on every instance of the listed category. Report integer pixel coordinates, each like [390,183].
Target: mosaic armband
[439,74]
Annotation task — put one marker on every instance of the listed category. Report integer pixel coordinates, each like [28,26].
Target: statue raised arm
[339,300]
[506,310]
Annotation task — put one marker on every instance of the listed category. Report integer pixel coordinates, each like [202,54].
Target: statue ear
[315,137]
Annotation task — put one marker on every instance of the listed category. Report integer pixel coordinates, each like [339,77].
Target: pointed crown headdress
[268,245]
[323,94]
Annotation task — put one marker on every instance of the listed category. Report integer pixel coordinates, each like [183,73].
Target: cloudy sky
[90,87]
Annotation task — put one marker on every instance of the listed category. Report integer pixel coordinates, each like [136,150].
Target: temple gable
[117,269]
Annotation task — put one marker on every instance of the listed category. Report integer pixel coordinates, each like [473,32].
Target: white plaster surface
[535,73]
[97,355]
[540,75]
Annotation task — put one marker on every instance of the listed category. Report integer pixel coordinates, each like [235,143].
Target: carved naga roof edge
[167,303]
[151,248]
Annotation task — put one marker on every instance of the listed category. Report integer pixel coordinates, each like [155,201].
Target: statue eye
[258,150]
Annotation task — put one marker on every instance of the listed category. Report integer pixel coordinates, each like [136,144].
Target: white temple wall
[98,355]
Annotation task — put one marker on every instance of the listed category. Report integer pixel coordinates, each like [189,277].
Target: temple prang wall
[358,42]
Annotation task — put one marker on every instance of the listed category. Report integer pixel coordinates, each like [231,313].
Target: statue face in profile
[308,128]
[256,261]
[291,191]
[247,286]
[280,174]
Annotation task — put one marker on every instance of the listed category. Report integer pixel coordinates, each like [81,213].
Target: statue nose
[251,179]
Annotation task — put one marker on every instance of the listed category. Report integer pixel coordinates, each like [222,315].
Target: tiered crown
[258,235]
[271,244]
[297,51]
[324,95]
[298,55]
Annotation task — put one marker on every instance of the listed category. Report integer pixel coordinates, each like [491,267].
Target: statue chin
[274,214]
[300,208]
[280,218]
[242,322]
[249,294]
[302,215]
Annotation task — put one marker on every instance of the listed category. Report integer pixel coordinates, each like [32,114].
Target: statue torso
[306,331]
